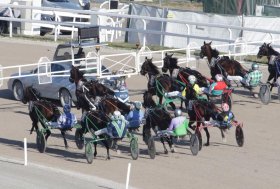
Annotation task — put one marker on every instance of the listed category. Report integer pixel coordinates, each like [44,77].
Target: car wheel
[65,97]
[18,90]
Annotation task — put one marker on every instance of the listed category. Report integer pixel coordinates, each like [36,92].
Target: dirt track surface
[221,165]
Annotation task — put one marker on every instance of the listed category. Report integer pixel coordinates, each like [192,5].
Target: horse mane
[154,67]
[215,53]
[272,50]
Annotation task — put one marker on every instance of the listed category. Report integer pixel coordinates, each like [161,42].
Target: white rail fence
[117,14]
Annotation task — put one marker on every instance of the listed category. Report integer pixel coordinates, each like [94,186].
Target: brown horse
[159,84]
[221,65]
[268,51]
[157,119]
[41,111]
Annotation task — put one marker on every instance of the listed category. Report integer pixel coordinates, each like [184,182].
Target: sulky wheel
[264,94]
[239,135]
[41,142]
[79,138]
[194,144]
[89,152]
[134,148]
[151,147]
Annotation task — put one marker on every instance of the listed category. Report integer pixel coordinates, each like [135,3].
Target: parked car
[65,4]
[60,88]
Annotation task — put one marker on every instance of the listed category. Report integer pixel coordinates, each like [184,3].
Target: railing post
[144,38]
[230,38]
[188,32]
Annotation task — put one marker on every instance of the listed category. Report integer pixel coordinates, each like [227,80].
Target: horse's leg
[47,134]
[34,120]
[64,138]
[207,136]
[107,148]
[164,147]
[170,143]
[223,136]
[95,150]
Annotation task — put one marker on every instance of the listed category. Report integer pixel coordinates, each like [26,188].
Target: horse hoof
[108,158]
[206,144]
[118,152]
[173,150]
[66,147]
[165,151]
[224,140]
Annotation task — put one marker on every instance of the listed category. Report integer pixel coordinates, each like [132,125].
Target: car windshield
[54,68]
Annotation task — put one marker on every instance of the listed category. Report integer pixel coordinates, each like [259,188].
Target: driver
[66,120]
[116,128]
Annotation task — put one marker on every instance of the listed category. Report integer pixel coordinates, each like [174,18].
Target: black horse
[87,90]
[159,84]
[40,111]
[171,64]
[94,121]
[200,111]
[157,119]
[221,65]
[268,51]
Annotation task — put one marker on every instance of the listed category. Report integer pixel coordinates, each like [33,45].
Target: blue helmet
[66,108]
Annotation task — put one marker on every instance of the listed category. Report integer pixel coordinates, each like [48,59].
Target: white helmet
[255,66]
[192,79]
[178,112]
[219,77]
[117,114]
[138,105]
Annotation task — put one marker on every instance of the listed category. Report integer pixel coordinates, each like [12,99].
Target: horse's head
[75,75]
[30,94]
[169,63]
[148,100]
[264,50]
[148,67]
[206,50]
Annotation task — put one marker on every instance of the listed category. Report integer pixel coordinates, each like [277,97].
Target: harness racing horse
[94,120]
[221,65]
[200,111]
[40,111]
[85,90]
[159,84]
[157,118]
[270,53]
[109,104]
[171,64]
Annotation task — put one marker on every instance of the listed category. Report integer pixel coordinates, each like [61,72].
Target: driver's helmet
[225,107]
[178,112]
[192,79]
[255,66]
[219,77]
[117,114]
[138,105]
[66,108]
